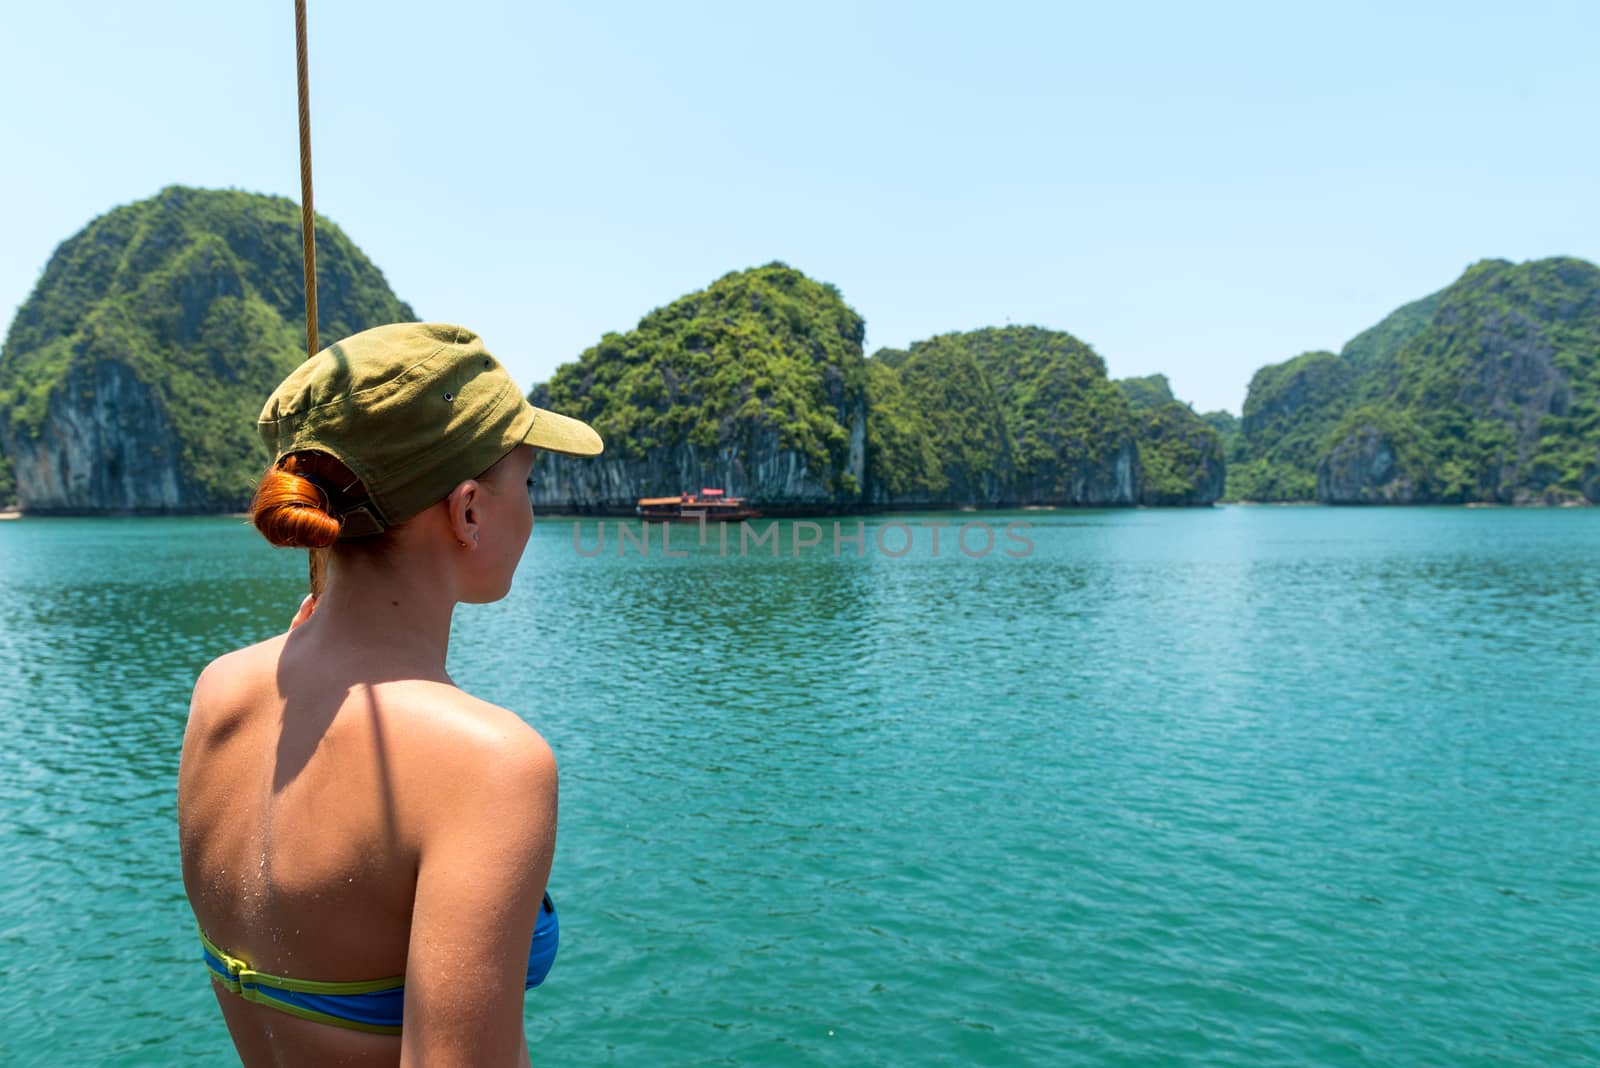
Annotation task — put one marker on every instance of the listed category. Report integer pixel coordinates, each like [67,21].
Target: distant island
[1487,391]
[758,385]
[131,378]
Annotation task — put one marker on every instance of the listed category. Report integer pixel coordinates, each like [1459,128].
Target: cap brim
[564,434]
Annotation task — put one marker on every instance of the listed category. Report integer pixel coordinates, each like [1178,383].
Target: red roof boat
[710,505]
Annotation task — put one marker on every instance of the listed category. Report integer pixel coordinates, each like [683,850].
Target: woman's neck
[394,610]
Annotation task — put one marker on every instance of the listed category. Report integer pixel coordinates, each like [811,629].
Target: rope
[308,233]
[317,562]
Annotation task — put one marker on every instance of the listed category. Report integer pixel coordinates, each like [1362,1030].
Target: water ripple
[1239,787]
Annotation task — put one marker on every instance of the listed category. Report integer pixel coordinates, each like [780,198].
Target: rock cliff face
[755,385]
[1108,481]
[1182,454]
[1496,400]
[1281,394]
[132,376]
[1289,413]
[1181,457]
[1363,468]
[1488,390]
[1292,408]
[1073,432]
[760,468]
[105,445]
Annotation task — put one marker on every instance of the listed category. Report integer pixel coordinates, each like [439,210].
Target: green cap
[411,409]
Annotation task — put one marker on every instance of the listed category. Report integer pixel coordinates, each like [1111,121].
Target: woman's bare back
[311,782]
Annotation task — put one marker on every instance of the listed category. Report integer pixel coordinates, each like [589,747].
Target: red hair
[298,504]
[298,500]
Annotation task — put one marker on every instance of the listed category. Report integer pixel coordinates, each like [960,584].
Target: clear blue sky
[1196,189]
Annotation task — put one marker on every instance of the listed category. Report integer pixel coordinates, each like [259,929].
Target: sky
[1192,189]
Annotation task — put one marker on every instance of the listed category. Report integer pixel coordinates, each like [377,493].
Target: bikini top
[372,1005]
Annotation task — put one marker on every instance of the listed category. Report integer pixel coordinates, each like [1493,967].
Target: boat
[709,505]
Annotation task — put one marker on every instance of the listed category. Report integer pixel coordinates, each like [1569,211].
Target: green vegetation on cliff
[1498,399]
[904,456]
[1022,414]
[940,389]
[762,349]
[1150,391]
[1378,344]
[1290,415]
[1488,390]
[765,365]
[1226,424]
[199,293]
[1058,404]
[1181,454]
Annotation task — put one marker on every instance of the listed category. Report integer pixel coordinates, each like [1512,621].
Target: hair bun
[294,512]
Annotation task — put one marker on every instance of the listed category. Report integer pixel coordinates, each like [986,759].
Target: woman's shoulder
[439,720]
[443,713]
[233,680]
[237,665]
[480,763]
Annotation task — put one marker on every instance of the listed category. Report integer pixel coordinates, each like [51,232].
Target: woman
[362,841]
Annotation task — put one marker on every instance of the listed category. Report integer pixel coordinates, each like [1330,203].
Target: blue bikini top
[372,1005]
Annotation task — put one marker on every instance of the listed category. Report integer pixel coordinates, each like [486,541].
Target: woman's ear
[462,515]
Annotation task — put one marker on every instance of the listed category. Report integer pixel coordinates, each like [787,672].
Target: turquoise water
[1243,786]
